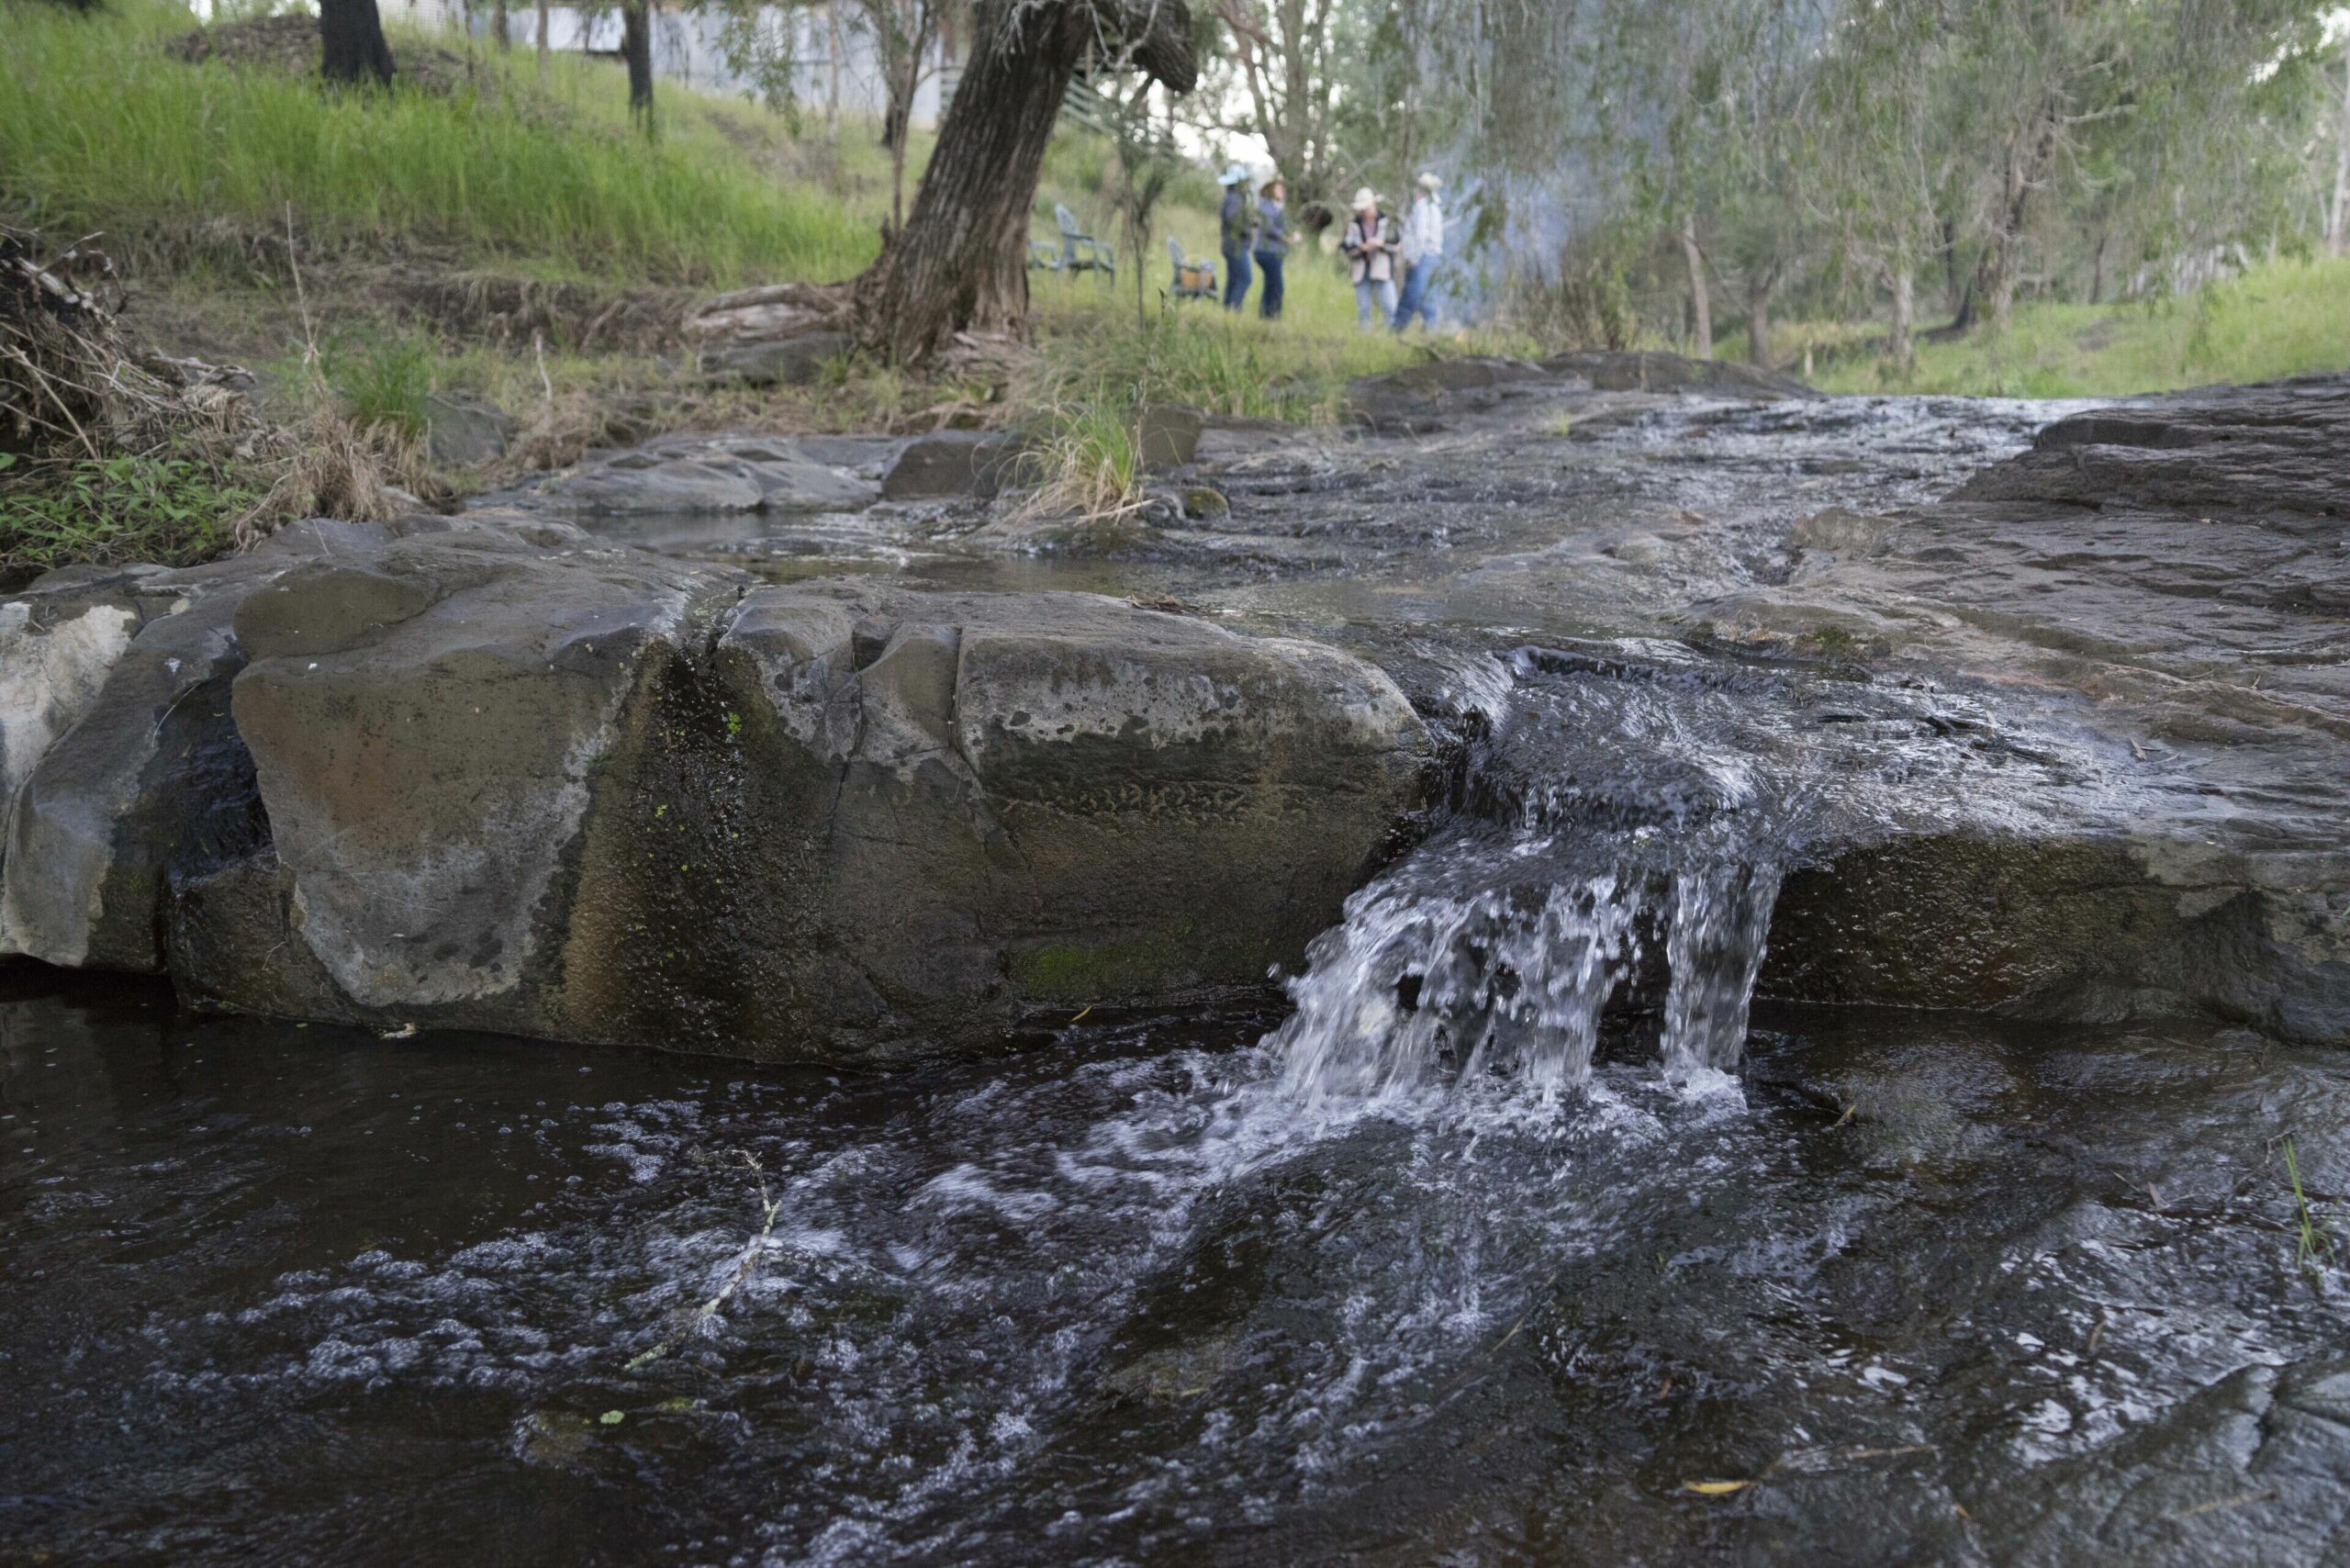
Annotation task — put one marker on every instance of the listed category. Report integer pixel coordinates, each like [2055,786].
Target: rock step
[465,781]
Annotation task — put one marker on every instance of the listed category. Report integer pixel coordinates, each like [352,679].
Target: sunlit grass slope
[100,130]
[2284,317]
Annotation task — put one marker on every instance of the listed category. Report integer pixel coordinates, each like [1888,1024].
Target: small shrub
[172,510]
[384,384]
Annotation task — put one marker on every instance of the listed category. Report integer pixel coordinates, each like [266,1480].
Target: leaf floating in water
[614,1417]
[1715,1488]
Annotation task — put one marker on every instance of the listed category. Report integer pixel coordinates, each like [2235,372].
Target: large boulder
[120,769]
[595,795]
[150,781]
[2270,448]
[945,465]
[429,727]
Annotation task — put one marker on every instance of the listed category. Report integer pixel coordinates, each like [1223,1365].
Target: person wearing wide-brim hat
[1421,250]
[1369,244]
[1239,221]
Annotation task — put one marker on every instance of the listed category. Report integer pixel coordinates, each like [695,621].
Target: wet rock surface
[742,473]
[1554,1220]
[1933,1289]
[2136,607]
[503,778]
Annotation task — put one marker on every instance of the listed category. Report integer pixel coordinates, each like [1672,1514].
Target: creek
[1515,1227]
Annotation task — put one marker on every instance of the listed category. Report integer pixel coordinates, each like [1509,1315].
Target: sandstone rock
[1412,401]
[1649,371]
[690,474]
[464,433]
[778,362]
[590,797]
[947,464]
[427,728]
[1169,436]
[945,809]
[152,781]
[2270,448]
[2097,928]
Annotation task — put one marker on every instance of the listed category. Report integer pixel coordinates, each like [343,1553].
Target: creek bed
[1940,1289]
[1508,1235]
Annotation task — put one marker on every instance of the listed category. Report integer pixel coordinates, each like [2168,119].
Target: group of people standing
[1390,264]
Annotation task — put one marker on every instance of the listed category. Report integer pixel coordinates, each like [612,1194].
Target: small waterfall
[1511,982]
[1496,982]
[1721,917]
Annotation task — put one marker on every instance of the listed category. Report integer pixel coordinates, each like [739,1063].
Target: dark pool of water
[1939,1289]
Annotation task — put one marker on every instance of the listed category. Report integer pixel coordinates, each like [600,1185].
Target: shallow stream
[1515,1230]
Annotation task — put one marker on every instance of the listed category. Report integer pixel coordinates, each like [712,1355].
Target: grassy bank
[101,130]
[2284,317]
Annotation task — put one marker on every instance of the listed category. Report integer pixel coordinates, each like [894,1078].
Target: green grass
[169,509]
[101,131]
[385,381]
[2284,317]
[1096,346]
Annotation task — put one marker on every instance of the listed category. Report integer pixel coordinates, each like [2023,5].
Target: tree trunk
[960,262]
[353,36]
[1701,303]
[2097,266]
[1758,317]
[2004,262]
[636,48]
[1905,319]
[542,39]
[2337,226]
[499,31]
[833,46]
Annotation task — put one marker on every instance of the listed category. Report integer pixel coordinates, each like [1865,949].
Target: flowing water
[1513,1229]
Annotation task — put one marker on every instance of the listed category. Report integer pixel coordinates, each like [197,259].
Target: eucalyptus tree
[1881,156]
[959,261]
[1281,74]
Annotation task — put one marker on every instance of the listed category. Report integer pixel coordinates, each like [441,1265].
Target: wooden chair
[1193,280]
[1080,252]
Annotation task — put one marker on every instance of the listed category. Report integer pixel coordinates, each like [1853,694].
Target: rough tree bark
[833,44]
[1905,316]
[1760,282]
[636,48]
[2026,169]
[960,262]
[352,34]
[2337,224]
[1701,302]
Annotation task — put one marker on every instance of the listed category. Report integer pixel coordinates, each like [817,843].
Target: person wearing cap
[1369,245]
[1422,249]
[1240,235]
[1272,246]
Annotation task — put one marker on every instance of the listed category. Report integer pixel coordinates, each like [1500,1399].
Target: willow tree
[960,260]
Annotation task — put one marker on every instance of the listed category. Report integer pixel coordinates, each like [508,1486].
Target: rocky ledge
[513,779]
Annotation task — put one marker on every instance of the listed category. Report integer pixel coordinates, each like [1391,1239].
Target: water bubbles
[1510,982]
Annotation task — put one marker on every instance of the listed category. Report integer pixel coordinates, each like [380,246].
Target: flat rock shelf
[1607,960]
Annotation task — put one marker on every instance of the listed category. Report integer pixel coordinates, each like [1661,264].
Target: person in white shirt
[1422,249]
[1369,246]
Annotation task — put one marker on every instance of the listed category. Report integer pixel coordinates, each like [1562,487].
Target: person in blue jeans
[1239,219]
[1272,246]
[1422,249]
